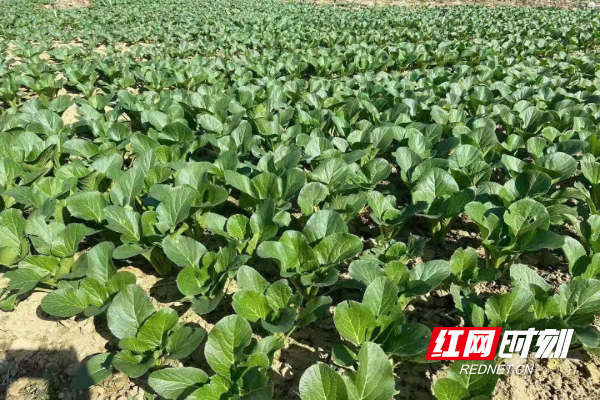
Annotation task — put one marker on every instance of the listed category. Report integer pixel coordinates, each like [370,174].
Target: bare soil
[574,378]
[67,4]
[39,354]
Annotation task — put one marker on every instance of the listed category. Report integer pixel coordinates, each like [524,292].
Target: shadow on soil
[52,383]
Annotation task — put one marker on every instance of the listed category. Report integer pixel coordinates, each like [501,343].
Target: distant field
[444,3]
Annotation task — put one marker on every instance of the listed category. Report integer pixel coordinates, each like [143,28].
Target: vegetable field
[235,199]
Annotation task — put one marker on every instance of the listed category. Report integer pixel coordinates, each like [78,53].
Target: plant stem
[182,229]
[287,335]
[297,285]
[510,262]
[438,231]
[596,196]
[227,283]
[139,202]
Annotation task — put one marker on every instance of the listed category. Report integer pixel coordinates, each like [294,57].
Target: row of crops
[302,158]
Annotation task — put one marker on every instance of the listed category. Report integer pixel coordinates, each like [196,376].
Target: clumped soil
[39,354]
[67,4]
[576,377]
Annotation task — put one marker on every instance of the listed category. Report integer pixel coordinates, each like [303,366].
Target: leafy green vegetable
[269,171]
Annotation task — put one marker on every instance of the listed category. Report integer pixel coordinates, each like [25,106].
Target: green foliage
[146,338]
[282,173]
[372,380]
[240,364]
